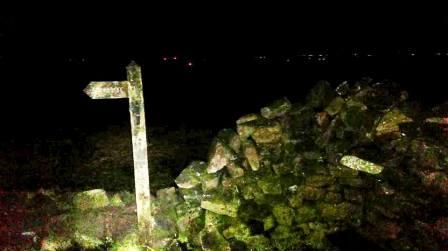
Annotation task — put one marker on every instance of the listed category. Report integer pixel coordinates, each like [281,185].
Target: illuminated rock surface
[359,158]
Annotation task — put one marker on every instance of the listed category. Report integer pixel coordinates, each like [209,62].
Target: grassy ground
[38,177]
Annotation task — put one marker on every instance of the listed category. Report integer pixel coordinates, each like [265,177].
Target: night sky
[204,68]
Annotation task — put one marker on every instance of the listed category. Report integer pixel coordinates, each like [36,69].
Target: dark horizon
[226,66]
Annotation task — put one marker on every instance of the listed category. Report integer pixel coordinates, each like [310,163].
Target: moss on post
[140,153]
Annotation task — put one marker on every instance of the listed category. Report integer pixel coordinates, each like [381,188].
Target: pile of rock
[359,157]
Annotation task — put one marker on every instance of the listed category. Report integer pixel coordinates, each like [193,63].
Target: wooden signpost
[133,90]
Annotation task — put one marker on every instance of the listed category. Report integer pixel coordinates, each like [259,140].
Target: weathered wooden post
[133,90]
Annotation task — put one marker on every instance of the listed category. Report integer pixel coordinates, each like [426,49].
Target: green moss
[212,240]
[286,238]
[91,199]
[191,175]
[129,242]
[332,212]
[87,241]
[238,231]
[257,243]
[270,185]
[116,201]
[190,221]
[283,214]
[306,214]
[268,222]
[310,193]
[55,243]
[316,238]
[221,204]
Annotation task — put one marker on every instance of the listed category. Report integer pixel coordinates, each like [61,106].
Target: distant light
[175,58]
[165,59]
[412,54]
[438,54]
[190,64]
[288,60]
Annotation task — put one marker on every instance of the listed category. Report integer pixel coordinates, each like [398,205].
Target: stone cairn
[361,157]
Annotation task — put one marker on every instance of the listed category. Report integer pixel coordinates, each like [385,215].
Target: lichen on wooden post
[139,146]
[133,90]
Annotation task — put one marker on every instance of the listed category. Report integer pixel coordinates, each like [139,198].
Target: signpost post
[133,90]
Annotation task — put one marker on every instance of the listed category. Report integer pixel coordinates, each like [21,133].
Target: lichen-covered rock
[270,185]
[221,204]
[231,138]
[190,221]
[285,238]
[192,196]
[283,214]
[165,217]
[267,134]
[239,231]
[332,212]
[428,155]
[247,118]
[315,235]
[436,180]
[251,154]
[299,172]
[55,243]
[319,180]
[235,170]
[246,129]
[359,164]
[335,106]
[390,123]
[212,240]
[354,116]
[310,193]
[306,214]
[257,243]
[191,176]
[220,156]
[268,222]
[91,199]
[276,109]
